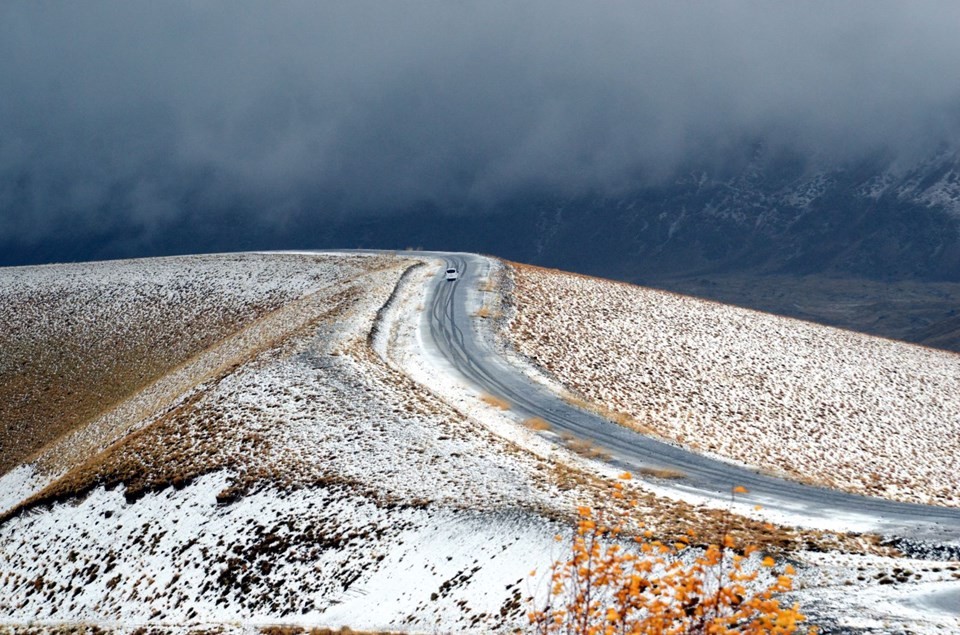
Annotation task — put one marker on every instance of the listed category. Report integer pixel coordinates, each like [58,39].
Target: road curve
[460,338]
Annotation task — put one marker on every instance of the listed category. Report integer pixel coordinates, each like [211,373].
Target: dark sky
[139,115]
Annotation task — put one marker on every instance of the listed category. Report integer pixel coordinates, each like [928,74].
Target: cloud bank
[143,114]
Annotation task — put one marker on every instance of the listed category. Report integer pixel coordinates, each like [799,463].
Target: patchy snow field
[318,465]
[309,482]
[813,403]
[319,555]
[77,339]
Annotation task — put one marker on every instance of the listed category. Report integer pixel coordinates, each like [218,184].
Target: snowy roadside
[822,582]
[308,480]
[346,463]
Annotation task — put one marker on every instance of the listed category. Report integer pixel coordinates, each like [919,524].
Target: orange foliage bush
[603,588]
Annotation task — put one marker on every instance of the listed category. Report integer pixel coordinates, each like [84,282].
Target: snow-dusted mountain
[836,243]
[751,207]
[751,210]
[769,213]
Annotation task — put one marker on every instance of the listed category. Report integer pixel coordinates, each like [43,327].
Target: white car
[452,274]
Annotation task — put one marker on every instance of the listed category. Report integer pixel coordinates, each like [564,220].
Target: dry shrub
[537,424]
[281,630]
[496,402]
[604,588]
[661,472]
[586,448]
[620,418]
[578,402]
[485,312]
[487,285]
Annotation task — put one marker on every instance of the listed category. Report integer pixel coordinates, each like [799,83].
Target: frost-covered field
[76,339]
[319,465]
[818,404]
[312,483]
[321,555]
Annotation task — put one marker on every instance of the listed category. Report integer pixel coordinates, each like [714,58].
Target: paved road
[458,336]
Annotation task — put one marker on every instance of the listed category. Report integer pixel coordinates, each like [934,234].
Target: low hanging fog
[143,113]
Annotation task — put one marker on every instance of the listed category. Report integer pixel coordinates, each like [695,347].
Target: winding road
[467,344]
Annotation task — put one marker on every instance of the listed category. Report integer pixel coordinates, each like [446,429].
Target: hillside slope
[817,404]
[320,466]
[297,474]
[75,340]
[300,471]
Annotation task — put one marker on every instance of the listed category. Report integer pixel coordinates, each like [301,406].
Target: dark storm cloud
[142,113]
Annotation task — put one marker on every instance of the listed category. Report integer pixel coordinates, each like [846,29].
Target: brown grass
[486,312]
[487,286]
[587,449]
[78,347]
[496,402]
[68,380]
[578,402]
[537,424]
[193,438]
[620,418]
[661,472]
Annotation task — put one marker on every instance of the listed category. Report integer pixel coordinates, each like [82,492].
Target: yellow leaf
[739,489]
[626,476]
[768,562]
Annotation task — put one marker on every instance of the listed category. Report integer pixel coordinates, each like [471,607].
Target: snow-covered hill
[312,463]
[291,472]
[821,405]
[79,339]
[294,484]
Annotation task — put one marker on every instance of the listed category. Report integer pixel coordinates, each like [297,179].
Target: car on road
[452,274]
